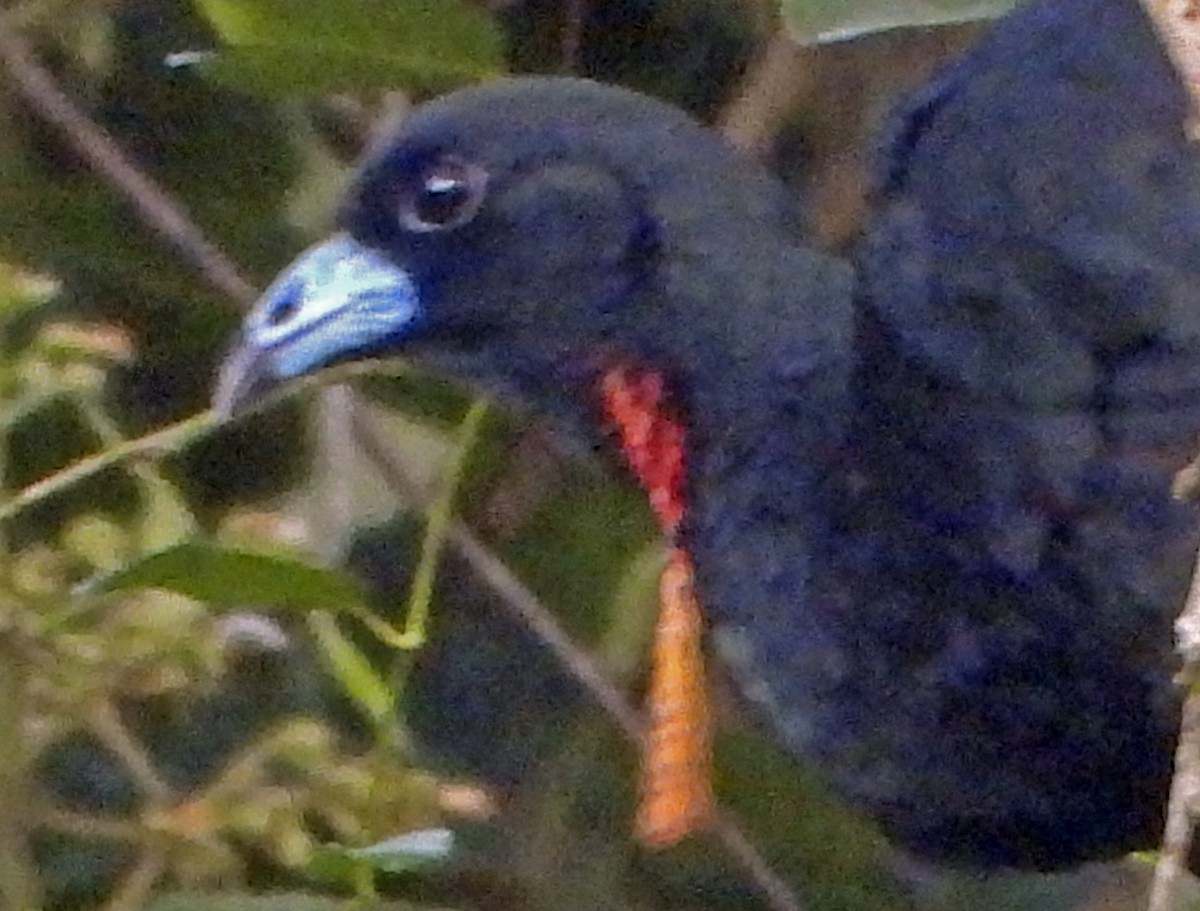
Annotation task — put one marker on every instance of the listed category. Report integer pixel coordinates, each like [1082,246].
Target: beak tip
[242,380]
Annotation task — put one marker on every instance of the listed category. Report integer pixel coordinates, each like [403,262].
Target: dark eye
[447,194]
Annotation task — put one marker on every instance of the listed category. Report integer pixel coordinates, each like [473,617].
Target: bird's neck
[748,421]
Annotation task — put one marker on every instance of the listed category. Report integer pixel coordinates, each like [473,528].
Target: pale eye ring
[447,194]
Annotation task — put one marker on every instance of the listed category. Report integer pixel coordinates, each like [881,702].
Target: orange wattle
[676,787]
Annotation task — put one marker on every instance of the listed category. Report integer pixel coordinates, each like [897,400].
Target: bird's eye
[448,194]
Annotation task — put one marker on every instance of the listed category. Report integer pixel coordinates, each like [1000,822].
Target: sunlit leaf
[166,519]
[281,47]
[97,539]
[235,578]
[21,291]
[819,21]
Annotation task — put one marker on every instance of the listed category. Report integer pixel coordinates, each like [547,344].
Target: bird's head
[511,231]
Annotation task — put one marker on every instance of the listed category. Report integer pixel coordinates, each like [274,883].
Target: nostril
[282,312]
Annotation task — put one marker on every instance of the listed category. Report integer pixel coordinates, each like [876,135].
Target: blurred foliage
[282,48]
[198,709]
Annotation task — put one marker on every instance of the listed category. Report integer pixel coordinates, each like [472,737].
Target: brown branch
[774,87]
[1185,783]
[1170,871]
[1177,23]
[153,205]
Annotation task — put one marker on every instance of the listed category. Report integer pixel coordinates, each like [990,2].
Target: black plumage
[930,511]
[1029,274]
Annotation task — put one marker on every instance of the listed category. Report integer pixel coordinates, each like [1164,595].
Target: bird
[926,492]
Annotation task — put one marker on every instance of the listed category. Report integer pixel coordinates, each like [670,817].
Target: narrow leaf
[228,577]
[821,21]
[408,853]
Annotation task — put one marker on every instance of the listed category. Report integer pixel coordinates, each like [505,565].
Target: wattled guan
[927,499]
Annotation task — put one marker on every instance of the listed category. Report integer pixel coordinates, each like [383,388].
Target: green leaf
[236,578]
[166,520]
[22,291]
[820,21]
[97,539]
[289,47]
[409,853]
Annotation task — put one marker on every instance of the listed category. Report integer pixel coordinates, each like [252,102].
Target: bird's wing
[1033,260]
[987,613]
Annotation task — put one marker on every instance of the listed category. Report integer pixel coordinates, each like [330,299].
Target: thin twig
[169,439]
[779,894]
[574,15]
[334,454]
[82,825]
[105,723]
[153,205]
[438,516]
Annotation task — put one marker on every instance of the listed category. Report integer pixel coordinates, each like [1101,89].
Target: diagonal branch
[156,209]
[171,438]
[524,605]
[774,87]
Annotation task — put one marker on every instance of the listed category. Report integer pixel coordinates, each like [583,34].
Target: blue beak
[338,300]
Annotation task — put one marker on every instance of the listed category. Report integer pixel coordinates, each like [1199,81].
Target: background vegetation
[260,666]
